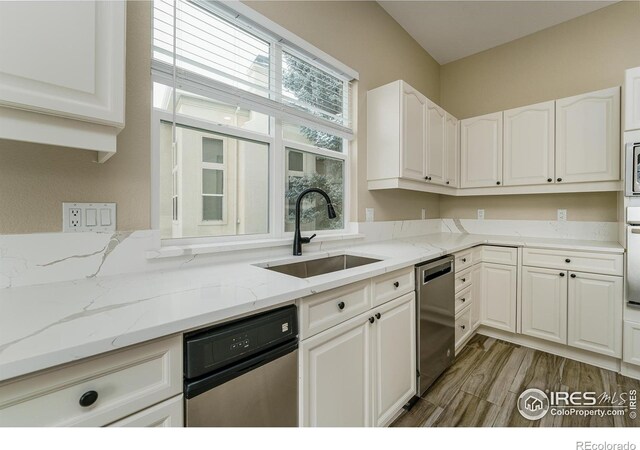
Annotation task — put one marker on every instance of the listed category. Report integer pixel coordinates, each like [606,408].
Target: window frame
[275,140]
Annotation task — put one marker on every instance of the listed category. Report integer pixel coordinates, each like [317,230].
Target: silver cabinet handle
[635,230]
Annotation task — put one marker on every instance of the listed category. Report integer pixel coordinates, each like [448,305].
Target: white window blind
[204,47]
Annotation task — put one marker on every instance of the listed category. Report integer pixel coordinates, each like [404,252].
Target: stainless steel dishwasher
[436,319]
[243,373]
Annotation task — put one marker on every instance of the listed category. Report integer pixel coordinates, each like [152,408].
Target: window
[247,117]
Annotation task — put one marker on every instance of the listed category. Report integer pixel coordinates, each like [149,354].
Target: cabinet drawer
[463,327]
[463,259]
[500,255]
[463,299]
[169,413]
[322,311]
[126,382]
[604,263]
[463,279]
[392,285]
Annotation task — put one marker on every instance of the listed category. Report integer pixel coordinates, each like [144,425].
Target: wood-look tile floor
[482,386]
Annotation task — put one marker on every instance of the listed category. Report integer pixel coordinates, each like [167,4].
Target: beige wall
[363,36]
[35,179]
[584,54]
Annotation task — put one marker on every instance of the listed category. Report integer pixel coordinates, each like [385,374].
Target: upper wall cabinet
[414,133]
[632,99]
[452,150]
[529,144]
[481,151]
[588,137]
[62,73]
[410,139]
[436,137]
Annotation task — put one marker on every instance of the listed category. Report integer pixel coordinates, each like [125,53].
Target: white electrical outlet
[79,217]
[562,215]
[368,214]
[481,214]
[424,213]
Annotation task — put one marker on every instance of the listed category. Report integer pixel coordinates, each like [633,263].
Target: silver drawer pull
[635,230]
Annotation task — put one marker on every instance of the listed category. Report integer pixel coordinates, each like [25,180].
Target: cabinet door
[588,137]
[499,296]
[414,133]
[529,144]
[632,99]
[435,164]
[476,294]
[544,304]
[481,151]
[75,63]
[595,313]
[394,357]
[452,151]
[335,376]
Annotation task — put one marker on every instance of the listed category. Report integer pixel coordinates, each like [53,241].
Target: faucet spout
[298,240]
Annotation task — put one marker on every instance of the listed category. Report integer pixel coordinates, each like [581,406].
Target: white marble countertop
[46,325]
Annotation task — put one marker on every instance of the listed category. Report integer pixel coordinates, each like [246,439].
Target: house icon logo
[533,404]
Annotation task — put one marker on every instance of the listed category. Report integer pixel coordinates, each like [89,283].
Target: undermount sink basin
[314,267]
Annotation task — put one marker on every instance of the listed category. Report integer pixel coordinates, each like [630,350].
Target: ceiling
[450,30]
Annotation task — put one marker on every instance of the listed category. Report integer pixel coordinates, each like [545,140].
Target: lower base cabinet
[595,313]
[499,296]
[544,303]
[359,373]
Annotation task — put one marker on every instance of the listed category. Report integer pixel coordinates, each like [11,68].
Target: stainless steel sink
[314,267]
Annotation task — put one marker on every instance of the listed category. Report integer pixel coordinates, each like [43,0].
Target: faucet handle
[306,240]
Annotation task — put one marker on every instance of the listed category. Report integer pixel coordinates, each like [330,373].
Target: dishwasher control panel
[219,346]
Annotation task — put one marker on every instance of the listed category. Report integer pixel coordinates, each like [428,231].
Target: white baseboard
[605,362]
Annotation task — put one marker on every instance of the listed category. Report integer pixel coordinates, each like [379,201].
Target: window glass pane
[211,208]
[234,198]
[212,151]
[296,161]
[210,46]
[312,89]
[212,181]
[309,136]
[203,108]
[320,172]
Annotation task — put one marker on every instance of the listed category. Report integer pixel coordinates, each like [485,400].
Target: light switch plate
[424,213]
[481,214]
[562,215]
[368,213]
[80,217]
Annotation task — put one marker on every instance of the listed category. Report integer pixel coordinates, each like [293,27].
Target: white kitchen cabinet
[62,73]
[336,372]
[529,144]
[119,384]
[476,294]
[544,304]
[595,313]
[394,358]
[631,343]
[436,144]
[481,151]
[360,372]
[588,137]
[452,151]
[169,413]
[632,99]
[414,133]
[499,296]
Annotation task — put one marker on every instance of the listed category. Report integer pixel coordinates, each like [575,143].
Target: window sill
[200,249]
